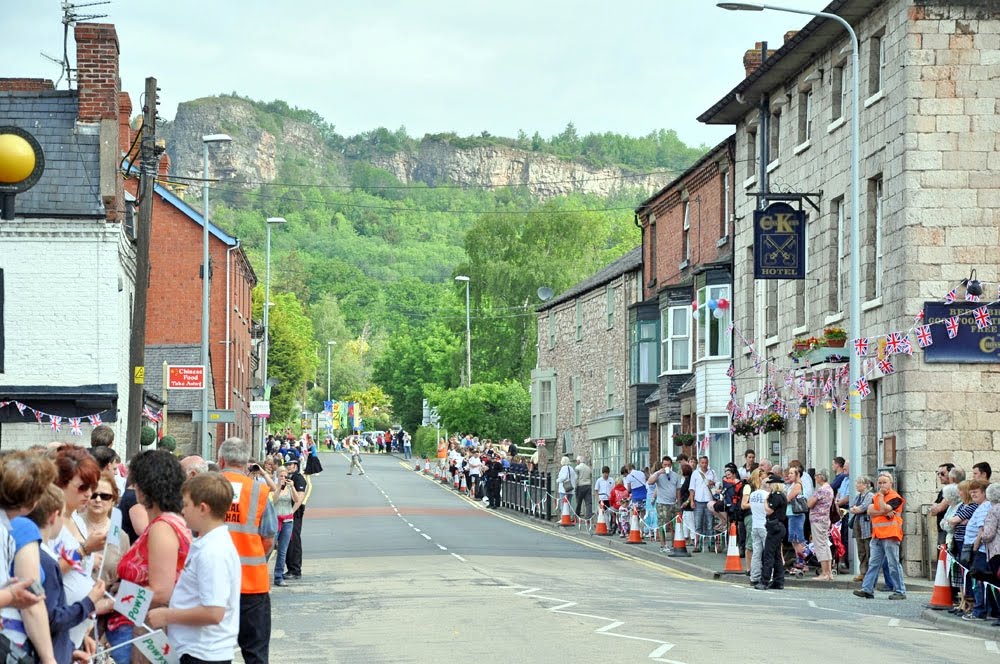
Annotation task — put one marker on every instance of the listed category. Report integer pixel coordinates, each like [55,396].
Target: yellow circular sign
[17,158]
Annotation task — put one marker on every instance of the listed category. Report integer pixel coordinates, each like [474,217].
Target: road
[399,569]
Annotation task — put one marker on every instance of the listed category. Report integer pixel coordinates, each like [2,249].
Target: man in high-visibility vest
[252,525]
[886,512]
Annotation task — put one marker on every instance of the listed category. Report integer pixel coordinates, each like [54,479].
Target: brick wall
[26,84]
[97,71]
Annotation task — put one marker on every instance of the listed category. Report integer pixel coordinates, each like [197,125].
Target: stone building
[687,240]
[578,389]
[67,259]
[930,210]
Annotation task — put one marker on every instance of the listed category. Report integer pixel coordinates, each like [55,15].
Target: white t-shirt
[77,582]
[758,500]
[475,465]
[808,488]
[603,488]
[211,577]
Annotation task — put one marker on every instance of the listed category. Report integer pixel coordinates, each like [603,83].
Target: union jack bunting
[952,326]
[886,367]
[811,400]
[732,389]
[863,388]
[906,347]
[95,420]
[982,316]
[20,407]
[843,404]
[74,425]
[38,415]
[861,346]
[919,317]
[950,296]
[704,443]
[924,336]
[969,297]
[54,422]
[731,371]
[894,343]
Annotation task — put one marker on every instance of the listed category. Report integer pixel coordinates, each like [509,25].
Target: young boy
[204,611]
[62,617]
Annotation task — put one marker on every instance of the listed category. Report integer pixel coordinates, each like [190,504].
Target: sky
[628,66]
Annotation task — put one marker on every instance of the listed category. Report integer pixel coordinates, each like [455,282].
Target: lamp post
[329,347]
[271,221]
[855,269]
[206,289]
[468,333]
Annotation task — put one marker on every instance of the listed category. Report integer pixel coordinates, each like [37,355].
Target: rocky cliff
[264,142]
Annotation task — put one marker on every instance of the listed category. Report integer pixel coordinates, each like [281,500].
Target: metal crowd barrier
[528,493]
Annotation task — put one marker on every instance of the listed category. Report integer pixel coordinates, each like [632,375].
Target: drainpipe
[229,311]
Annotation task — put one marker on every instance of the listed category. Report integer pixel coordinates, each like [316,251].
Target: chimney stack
[125,133]
[98,83]
[752,58]
[790,34]
[26,85]
[164,166]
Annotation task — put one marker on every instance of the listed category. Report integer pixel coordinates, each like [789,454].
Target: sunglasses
[103,496]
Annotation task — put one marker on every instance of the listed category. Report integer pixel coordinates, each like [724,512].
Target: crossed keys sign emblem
[773,247]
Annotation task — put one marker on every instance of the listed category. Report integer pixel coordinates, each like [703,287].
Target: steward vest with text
[243,520]
[884,526]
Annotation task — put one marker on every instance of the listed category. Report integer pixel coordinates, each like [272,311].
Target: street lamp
[329,347]
[855,270]
[271,221]
[468,333]
[206,290]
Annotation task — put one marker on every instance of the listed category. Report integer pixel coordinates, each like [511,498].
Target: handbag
[11,653]
[799,504]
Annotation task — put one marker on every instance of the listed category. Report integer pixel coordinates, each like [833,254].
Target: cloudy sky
[629,66]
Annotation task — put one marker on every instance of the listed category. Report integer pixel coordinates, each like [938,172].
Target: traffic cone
[634,528]
[941,597]
[734,564]
[567,518]
[680,541]
[437,473]
[427,467]
[602,521]
[461,483]
[456,481]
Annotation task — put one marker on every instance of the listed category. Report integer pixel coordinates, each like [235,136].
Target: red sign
[190,377]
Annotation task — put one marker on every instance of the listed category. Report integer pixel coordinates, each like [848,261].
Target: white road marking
[459,557]
[443,548]
[662,650]
[417,529]
[992,646]
[426,536]
[409,524]
[894,622]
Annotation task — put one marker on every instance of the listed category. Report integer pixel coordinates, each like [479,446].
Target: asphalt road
[400,569]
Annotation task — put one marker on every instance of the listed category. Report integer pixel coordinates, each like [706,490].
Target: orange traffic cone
[680,541]
[941,597]
[567,518]
[457,474]
[461,485]
[634,528]
[437,473]
[602,521]
[734,564]
[427,467]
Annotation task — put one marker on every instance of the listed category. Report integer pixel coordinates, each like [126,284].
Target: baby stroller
[808,561]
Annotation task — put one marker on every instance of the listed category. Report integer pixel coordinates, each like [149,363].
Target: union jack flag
[54,422]
[950,296]
[731,371]
[906,347]
[20,407]
[73,557]
[861,346]
[95,420]
[982,316]
[952,326]
[756,362]
[74,425]
[732,389]
[886,367]
[924,336]
[704,443]
[3,404]
[811,400]
[894,343]
[969,297]
[863,388]
[843,405]
[919,317]
[38,415]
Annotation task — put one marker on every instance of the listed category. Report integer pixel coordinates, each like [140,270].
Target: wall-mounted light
[828,404]
[803,410]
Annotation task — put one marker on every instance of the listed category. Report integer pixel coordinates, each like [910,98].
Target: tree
[491,410]
[293,352]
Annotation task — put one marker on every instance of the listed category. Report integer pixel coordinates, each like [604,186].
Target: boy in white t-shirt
[204,611]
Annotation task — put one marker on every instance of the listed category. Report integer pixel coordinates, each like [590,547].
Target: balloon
[694,305]
[723,303]
[694,314]
[719,313]
[712,304]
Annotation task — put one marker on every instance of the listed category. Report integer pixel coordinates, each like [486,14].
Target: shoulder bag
[799,504]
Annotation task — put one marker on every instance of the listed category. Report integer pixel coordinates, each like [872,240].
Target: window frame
[879,220]
[577,401]
[668,338]
[752,148]
[686,230]
[609,388]
[840,220]
[552,329]
[727,210]
[719,325]
[609,295]
[637,343]
[838,84]
[876,62]
[578,318]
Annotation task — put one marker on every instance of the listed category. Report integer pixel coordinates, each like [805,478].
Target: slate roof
[70,185]
[178,400]
[630,261]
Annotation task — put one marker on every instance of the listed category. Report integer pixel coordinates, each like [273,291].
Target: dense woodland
[370,265]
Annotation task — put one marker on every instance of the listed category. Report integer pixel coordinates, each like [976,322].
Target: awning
[60,400]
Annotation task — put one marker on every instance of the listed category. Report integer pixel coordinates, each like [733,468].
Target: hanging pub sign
[963,339]
[779,241]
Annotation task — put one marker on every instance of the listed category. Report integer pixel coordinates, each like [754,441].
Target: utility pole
[144,226]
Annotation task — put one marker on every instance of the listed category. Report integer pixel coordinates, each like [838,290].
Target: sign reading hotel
[779,246]
[186,377]
[972,345]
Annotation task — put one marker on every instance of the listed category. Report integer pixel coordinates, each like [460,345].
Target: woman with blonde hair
[756,502]
[772,574]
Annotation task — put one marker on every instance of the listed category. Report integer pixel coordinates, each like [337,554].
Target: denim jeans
[281,545]
[407,451]
[116,637]
[985,602]
[702,523]
[884,549]
[758,538]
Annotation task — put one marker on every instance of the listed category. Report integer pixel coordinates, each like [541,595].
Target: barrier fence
[528,493]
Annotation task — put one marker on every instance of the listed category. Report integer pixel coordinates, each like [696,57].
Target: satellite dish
[544,293]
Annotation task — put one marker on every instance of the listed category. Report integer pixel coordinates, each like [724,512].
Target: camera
[255,468]
[36,588]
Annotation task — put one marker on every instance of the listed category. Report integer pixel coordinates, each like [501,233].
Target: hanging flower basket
[684,439]
[771,422]
[744,426]
[836,337]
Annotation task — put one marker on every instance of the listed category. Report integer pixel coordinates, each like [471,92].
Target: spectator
[756,502]
[839,474]
[975,553]
[584,486]
[355,453]
[286,500]
[796,522]
[102,436]
[303,485]
[940,505]
[819,516]
[313,465]
[635,482]
[703,480]
[887,534]
[603,487]
[861,523]
[157,557]
[982,471]
[808,485]
[493,482]
[407,446]
[667,485]
[475,465]
[687,499]
[964,512]
[565,481]
[956,475]
[541,457]
[193,465]
[772,573]
[203,616]
[990,536]
[618,501]
[749,464]
[252,525]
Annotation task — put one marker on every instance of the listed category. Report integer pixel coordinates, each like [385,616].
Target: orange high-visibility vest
[243,520]
[884,526]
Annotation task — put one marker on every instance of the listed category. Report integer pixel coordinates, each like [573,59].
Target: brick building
[929,214]
[67,259]
[173,319]
[578,388]
[679,384]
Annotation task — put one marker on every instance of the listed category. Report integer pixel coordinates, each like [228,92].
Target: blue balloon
[712,304]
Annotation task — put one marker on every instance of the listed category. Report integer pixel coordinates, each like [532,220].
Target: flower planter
[836,343]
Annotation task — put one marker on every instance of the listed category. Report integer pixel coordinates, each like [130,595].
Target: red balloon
[723,303]
[694,305]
